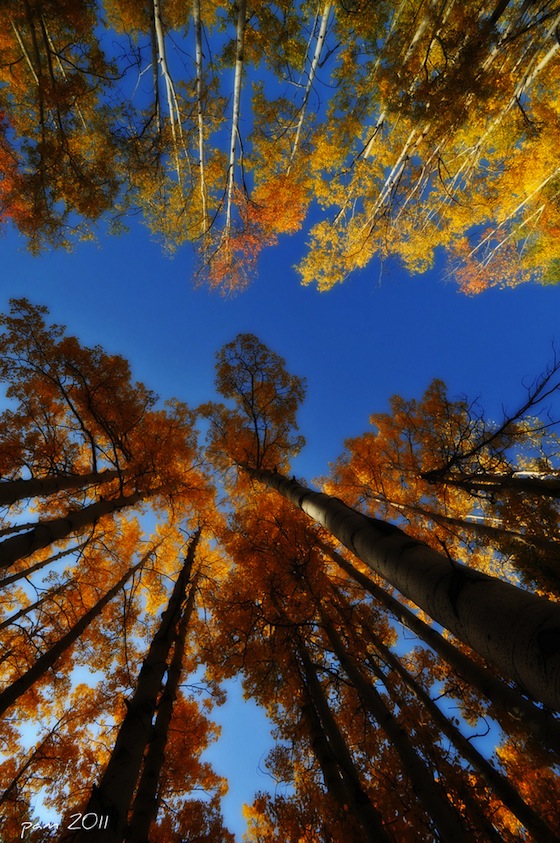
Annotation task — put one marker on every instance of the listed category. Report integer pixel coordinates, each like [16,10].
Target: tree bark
[145,805]
[172,103]
[492,483]
[341,776]
[481,528]
[538,722]
[47,532]
[38,487]
[113,795]
[239,60]
[42,564]
[438,809]
[311,78]
[524,645]
[200,117]
[495,780]
[28,609]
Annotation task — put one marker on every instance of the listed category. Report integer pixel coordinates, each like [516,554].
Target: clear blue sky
[356,345]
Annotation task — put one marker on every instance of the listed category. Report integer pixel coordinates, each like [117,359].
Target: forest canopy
[396,622]
[125,563]
[389,130]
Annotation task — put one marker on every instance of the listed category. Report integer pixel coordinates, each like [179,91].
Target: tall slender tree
[463,600]
[113,795]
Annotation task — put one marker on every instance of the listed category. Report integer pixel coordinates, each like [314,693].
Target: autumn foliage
[413,127]
[123,577]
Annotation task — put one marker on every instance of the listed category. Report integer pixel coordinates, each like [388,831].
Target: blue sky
[356,345]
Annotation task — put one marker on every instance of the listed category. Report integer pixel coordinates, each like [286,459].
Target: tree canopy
[303,594]
[395,130]
[397,620]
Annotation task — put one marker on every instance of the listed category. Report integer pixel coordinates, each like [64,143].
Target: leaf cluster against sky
[410,126]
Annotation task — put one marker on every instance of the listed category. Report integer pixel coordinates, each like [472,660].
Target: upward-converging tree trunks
[369,746]
[537,721]
[524,645]
[112,796]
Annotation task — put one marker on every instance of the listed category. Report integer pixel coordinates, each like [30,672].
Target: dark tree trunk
[38,565]
[496,483]
[538,722]
[524,645]
[47,532]
[341,777]
[39,487]
[497,782]
[11,694]
[145,805]
[443,816]
[113,795]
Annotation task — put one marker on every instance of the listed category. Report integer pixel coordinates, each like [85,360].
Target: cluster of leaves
[455,480]
[440,129]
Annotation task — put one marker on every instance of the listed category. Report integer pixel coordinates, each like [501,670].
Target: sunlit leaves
[420,126]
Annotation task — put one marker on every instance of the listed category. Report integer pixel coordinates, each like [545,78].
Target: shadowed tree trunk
[145,805]
[495,483]
[38,487]
[482,528]
[339,771]
[47,532]
[524,645]
[497,782]
[542,725]
[42,564]
[32,606]
[445,819]
[113,795]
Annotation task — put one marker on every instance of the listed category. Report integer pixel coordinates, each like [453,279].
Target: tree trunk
[495,780]
[113,795]
[539,723]
[239,60]
[47,532]
[28,609]
[524,645]
[200,117]
[42,564]
[480,528]
[11,789]
[438,809]
[145,805]
[343,782]
[38,487]
[11,694]
[172,103]
[495,532]
[324,754]
[492,483]
[311,78]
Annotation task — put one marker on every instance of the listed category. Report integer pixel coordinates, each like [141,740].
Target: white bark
[200,113]
[239,59]
[311,78]
[172,103]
